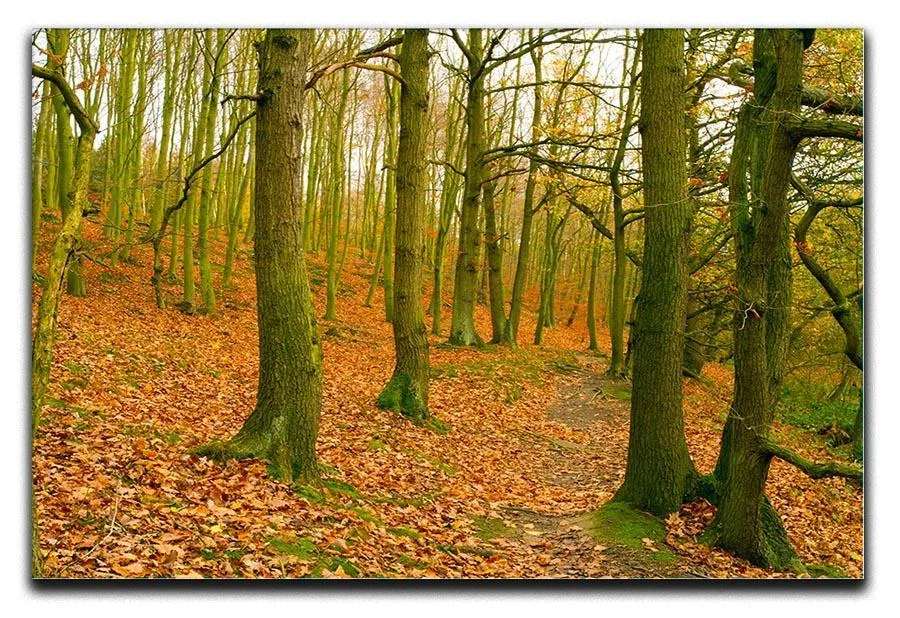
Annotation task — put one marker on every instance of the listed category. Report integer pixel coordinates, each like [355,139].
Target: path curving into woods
[537,440]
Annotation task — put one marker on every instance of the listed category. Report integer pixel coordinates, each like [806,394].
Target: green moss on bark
[400,396]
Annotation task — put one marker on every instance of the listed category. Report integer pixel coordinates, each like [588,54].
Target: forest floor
[537,442]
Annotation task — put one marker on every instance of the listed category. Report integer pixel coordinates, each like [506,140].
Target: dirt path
[564,544]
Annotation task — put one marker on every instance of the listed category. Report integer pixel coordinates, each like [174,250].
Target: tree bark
[37,168]
[511,331]
[217,58]
[407,390]
[61,256]
[494,264]
[592,292]
[284,425]
[390,197]
[745,522]
[617,292]
[659,472]
[462,323]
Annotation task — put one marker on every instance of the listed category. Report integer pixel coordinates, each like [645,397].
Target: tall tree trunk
[592,292]
[135,200]
[511,332]
[659,472]
[579,293]
[61,256]
[217,53]
[312,179]
[494,264]
[407,390]
[390,197]
[193,203]
[234,224]
[462,322]
[123,139]
[449,193]
[284,425]
[58,39]
[617,293]
[336,206]
[37,167]
[745,522]
[376,273]
[170,40]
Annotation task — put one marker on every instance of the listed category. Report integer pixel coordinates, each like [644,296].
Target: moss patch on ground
[307,551]
[617,392]
[618,523]
[489,528]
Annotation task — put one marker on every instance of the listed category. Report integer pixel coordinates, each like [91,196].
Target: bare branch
[85,122]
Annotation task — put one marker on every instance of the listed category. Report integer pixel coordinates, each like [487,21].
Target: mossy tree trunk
[58,41]
[136,162]
[60,260]
[462,322]
[659,472]
[284,425]
[171,77]
[189,213]
[407,390]
[745,522]
[123,139]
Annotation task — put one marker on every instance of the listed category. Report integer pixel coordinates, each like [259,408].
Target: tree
[627,100]
[592,291]
[407,390]
[847,312]
[494,262]
[659,472]
[37,167]
[215,57]
[453,152]
[61,257]
[768,133]
[462,324]
[528,210]
[284,425]
[58,42]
